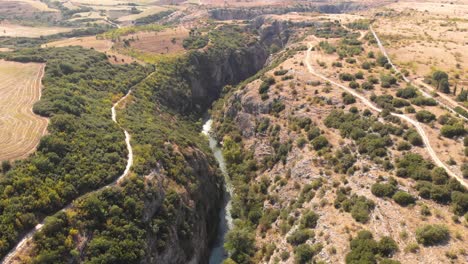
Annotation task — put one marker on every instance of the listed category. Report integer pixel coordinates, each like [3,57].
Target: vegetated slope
[20,88]
[167,211]
[84,148]
[313,166]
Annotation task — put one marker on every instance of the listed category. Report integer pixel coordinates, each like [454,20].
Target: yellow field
[36,4]
[12,30]
[146,12]
[20,128]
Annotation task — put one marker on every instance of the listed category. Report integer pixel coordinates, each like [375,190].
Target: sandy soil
[20,88]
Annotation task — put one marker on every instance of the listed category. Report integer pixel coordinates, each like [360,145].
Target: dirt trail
[384,52]
[417,125]
[25,241]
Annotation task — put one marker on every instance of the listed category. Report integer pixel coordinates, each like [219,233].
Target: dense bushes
[430,235]
[403,198]
[383,189]
[359,206]
[387,80]
[84,148]
[408,92]
[240,244]
[319,142]
[453,130]
[364,248]
[348,98]
[425,116]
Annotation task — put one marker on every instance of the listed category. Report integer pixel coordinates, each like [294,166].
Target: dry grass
[164,42]
[12,30]
[34,3]
[20,88]
[146,12]
[102,45]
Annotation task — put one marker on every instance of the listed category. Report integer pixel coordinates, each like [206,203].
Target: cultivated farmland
[20,128]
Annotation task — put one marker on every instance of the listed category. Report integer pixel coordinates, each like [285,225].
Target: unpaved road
[384,52]
[417,125]
[25,241]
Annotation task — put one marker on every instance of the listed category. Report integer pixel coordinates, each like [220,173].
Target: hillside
[233,132]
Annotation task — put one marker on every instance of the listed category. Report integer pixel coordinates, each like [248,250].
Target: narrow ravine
[25,241]
[218,254]
[416,124]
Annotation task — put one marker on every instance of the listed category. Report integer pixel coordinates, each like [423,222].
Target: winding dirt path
[426,94]
[417,125]
[26,240]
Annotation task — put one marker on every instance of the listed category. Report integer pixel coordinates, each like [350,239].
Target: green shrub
[407,93]
[320,142]
[305,252]
[354,85]
[309,219]
[301,141]
[346,77]
[403,198]
[300,236]
[423,101]
[430,235]
[387,246]
[348,98]
[367,86]
[425,116]
[383,189]
[387,80]
[359,75]
[240,244]
[280,72]
[451,131]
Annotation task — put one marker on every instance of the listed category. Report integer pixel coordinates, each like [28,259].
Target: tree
[430,235]
[320,142]
[425,116]
[240,244]
[387,246]
[438,76]
[383,189]
[309,220]
[305,252]
[403,198]
[444,86]
[6,166]
[451,131]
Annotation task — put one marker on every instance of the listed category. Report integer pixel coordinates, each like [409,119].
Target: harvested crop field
[13,30]
[101,45]
[91,42]
[21,129]
[164,42]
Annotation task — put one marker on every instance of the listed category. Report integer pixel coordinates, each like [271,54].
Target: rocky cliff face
[196,214]
[212,71]
[324,7]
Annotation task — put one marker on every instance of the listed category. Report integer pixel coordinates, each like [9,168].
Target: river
[218,254]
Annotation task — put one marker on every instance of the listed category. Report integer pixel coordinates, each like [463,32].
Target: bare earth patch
[21,129]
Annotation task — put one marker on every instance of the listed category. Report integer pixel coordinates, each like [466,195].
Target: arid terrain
[339,129]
